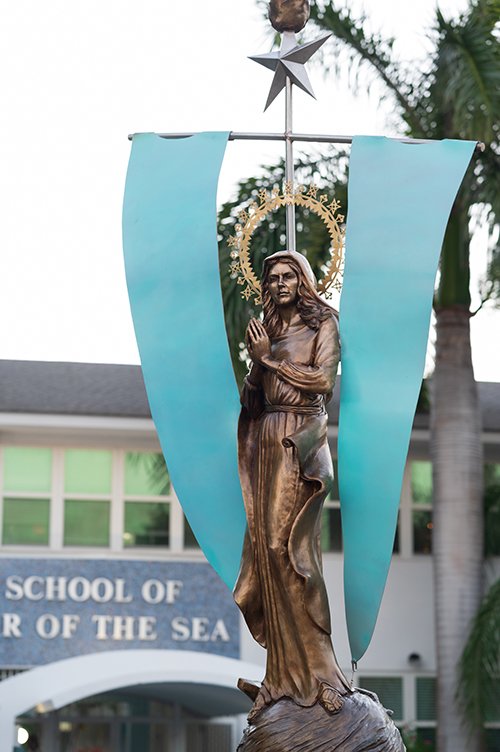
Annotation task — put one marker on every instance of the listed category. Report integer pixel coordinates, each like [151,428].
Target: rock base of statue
[361,725]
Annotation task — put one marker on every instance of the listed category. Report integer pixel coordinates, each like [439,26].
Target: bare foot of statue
[330,698]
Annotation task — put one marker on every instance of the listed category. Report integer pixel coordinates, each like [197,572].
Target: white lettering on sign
[29,584]
[47,626]
[155,591]
[125,627]
[199,630]
[14,588]
[102,590]
[180,629]
[11,625]
[80,589]
[102,625]
[69,625]
[220,632]
[120,596]
[146,628]
[55,588]
[173,590]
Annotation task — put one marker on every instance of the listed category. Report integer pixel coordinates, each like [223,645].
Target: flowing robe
[286,473]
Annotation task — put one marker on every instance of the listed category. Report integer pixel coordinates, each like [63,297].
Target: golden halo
[249,220]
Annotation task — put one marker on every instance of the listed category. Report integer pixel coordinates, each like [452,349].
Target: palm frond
[377,51]
[479,669]
[155,468]
[467,76]
[160,478]
[371,47]
[479,666]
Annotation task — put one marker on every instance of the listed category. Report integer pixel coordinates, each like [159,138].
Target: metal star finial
[289,61]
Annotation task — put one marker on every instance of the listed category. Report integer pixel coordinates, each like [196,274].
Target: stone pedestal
[362,725]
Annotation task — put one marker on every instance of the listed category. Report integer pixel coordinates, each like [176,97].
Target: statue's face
[283,283]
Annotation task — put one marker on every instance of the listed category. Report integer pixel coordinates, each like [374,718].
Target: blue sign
[57,608]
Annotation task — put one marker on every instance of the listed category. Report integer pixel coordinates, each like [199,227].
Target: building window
[147,500]
[146,474]
[26,521]
[492,510]
[86,523]
[426,698]
[87,497]
[331,527]
[492,706]
[27,485]
[205,737]
[189,537]
[421,492]
[129,723]
[87,471]
[331,520]
[389,690]
[331,524]
[101,498]
[146,524]
[395,548]
[492,737]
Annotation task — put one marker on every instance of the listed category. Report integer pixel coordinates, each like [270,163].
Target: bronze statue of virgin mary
[286,473]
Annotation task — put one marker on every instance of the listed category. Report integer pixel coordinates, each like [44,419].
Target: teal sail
[400,198]
[172,268]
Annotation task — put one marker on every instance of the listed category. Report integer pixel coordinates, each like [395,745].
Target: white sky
[77,77]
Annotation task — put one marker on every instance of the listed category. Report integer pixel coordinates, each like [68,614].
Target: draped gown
[286,473]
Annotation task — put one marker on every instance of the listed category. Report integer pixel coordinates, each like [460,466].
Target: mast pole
[289,165]
[288,18]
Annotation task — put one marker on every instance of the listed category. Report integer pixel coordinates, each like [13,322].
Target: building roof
[72,388]
[97,389]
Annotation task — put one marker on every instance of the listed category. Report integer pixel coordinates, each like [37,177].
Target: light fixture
[22,735]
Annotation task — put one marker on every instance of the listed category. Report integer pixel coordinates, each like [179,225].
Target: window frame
[333,504]
[419,507]
[405,515]
[117,499]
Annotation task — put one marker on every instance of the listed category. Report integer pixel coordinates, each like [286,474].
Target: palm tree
[480,663]
[456,95]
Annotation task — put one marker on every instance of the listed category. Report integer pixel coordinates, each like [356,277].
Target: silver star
[289,61]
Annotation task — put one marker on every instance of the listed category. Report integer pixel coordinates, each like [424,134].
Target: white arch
[72,679]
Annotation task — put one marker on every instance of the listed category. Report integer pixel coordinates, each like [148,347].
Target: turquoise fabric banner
[172,267]
[400,198]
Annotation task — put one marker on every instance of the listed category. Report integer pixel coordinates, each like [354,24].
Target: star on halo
[289,61]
